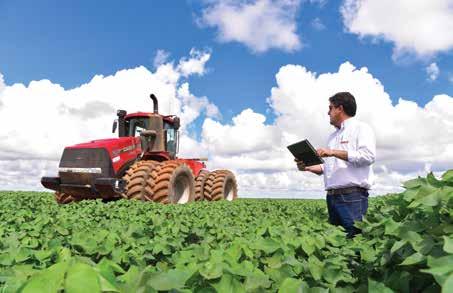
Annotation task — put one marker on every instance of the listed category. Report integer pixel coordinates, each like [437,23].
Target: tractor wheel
[138,185]
[199,184]
[221,184]
[63,198]
[173,182]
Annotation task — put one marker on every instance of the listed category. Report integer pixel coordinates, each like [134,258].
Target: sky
[247,77]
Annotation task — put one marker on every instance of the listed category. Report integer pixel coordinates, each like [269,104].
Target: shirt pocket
[346,143]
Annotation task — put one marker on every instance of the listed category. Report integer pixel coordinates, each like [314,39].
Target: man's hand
[340,154]
[314,169]
[300,165]
[323,152]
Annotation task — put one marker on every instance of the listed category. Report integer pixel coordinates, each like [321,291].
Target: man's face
[334,114]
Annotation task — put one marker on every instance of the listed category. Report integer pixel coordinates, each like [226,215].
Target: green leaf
[130,280]
[448,176]
[411,237]
[377,287]
[413,259]
[267,245]
[82,278]
[368,254]
[397,245]
[291,285]
[228,284]
[414,183]
[274,261]
[433,180]
[47,281]
[278,275]
[431,200]
[447,286]
[62,231]
[106,270]
[23,254]
[43,254]
[392,227]
[316,267]
[257,281]
[64,255]
[448,244]
[211,270]
[173,279]
[234,252]
[244,268]
[307,244]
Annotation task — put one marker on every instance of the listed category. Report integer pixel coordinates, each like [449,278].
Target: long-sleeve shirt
[358,139]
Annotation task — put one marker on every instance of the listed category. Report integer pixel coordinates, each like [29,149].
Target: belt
[346,190]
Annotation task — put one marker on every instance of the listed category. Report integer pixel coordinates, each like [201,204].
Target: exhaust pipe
[153,97]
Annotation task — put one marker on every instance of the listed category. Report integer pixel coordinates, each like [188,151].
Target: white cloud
[160,58]
[411,139]
[321,3]
[260,25]
[53,117]
[415,26]
[317,24]
[195,64]
[432,71]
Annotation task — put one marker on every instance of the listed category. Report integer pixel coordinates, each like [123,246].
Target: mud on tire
[172,182]
[138,185]
[200,183]
[220,184]
[63,198]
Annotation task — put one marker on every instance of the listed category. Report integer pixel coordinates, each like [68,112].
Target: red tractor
[140,164]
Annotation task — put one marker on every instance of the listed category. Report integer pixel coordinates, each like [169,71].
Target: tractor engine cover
[93,169]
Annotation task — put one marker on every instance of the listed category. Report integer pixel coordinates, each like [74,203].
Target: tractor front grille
[82,166]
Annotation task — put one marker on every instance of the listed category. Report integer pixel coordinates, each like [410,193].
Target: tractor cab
[159,135]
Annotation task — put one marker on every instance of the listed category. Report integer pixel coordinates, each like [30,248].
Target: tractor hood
[111,144]
[119,151]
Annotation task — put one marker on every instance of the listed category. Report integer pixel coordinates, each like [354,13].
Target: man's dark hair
[345,99]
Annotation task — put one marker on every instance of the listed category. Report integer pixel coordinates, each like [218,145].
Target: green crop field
[245,245]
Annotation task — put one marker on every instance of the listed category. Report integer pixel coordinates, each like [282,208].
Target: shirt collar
[347,122]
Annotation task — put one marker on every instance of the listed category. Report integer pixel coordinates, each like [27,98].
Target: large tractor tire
[200,181]
[221,184]
[63,198]
[173,182]
[138,185]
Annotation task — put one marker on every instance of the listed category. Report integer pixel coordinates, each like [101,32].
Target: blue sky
[248,77]
[69,42]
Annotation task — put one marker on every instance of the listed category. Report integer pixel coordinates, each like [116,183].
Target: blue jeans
[345,209]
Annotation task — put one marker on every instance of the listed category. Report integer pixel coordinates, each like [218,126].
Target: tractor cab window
[137,125]
[171,138]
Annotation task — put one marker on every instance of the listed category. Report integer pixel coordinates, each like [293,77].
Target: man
[347,168]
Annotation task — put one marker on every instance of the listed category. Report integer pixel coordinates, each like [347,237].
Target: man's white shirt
[357,138]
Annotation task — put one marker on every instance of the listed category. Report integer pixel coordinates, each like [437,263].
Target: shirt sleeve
[365,154]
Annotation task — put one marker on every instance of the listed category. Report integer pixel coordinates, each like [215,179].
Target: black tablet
[305,152]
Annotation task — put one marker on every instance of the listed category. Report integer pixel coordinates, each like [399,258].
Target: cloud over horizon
[411,139]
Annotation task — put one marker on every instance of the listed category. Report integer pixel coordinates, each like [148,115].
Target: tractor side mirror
[115,124]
